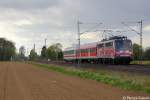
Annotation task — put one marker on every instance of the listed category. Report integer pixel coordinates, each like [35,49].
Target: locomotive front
[123,50]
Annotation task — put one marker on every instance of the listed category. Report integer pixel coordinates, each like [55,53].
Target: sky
[29,22]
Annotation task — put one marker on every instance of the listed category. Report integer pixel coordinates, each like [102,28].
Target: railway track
[143,69]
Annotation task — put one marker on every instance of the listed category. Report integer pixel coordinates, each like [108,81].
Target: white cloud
[90,35]
[147,28]
[23,22]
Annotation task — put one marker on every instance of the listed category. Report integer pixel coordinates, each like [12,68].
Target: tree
[54,52]
[7,50]
[147,54]
[44,52]
[136,51]
[22,51]
[33,55]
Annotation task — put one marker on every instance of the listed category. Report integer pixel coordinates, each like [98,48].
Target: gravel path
[19,81]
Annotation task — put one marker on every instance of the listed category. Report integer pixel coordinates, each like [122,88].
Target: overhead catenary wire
[141,37]
[89,30]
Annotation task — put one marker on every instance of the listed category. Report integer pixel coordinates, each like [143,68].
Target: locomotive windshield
[123,45]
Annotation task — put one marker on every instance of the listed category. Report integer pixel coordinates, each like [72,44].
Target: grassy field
[123,80]
[143,62]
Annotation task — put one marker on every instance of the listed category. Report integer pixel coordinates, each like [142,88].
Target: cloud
[28,4]
[147,28]
[23,22]
[31,21]
[90,36]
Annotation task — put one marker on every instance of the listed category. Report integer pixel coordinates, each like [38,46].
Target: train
[115,50]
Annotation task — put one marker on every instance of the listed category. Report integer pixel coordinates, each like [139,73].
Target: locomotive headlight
[120,51]
[130,52]
[127,51]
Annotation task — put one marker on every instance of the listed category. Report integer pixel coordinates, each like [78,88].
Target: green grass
[103,76]
[143,62]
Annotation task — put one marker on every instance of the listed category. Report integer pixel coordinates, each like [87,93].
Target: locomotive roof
[115,38]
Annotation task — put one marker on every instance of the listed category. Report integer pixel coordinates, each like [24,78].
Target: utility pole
[45,42]
[141,40]
[27,51]
[34,47]
[78,51]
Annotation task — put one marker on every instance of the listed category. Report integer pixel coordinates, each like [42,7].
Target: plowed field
[19,81]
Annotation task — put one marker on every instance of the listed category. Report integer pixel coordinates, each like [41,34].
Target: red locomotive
[116,49]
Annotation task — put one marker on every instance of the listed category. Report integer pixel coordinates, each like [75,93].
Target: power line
[91,28]
[141,36]
[131,28]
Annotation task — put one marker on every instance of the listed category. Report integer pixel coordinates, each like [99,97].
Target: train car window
[123,45]
[119,45]
[109,44]
[100,45]
[128,44]
[64,52]
[92,50]
[69,52]
[84,50]
[72,52]
[77,51]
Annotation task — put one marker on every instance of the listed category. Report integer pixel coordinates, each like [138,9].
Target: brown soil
[19,81]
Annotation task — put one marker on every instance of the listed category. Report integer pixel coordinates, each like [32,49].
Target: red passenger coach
[69,54]
[87,52]
[117,49]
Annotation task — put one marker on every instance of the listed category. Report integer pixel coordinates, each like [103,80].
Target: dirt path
[20,81]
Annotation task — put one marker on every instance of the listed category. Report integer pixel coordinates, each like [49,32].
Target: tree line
[7,50]
[137,49]
[53,52]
